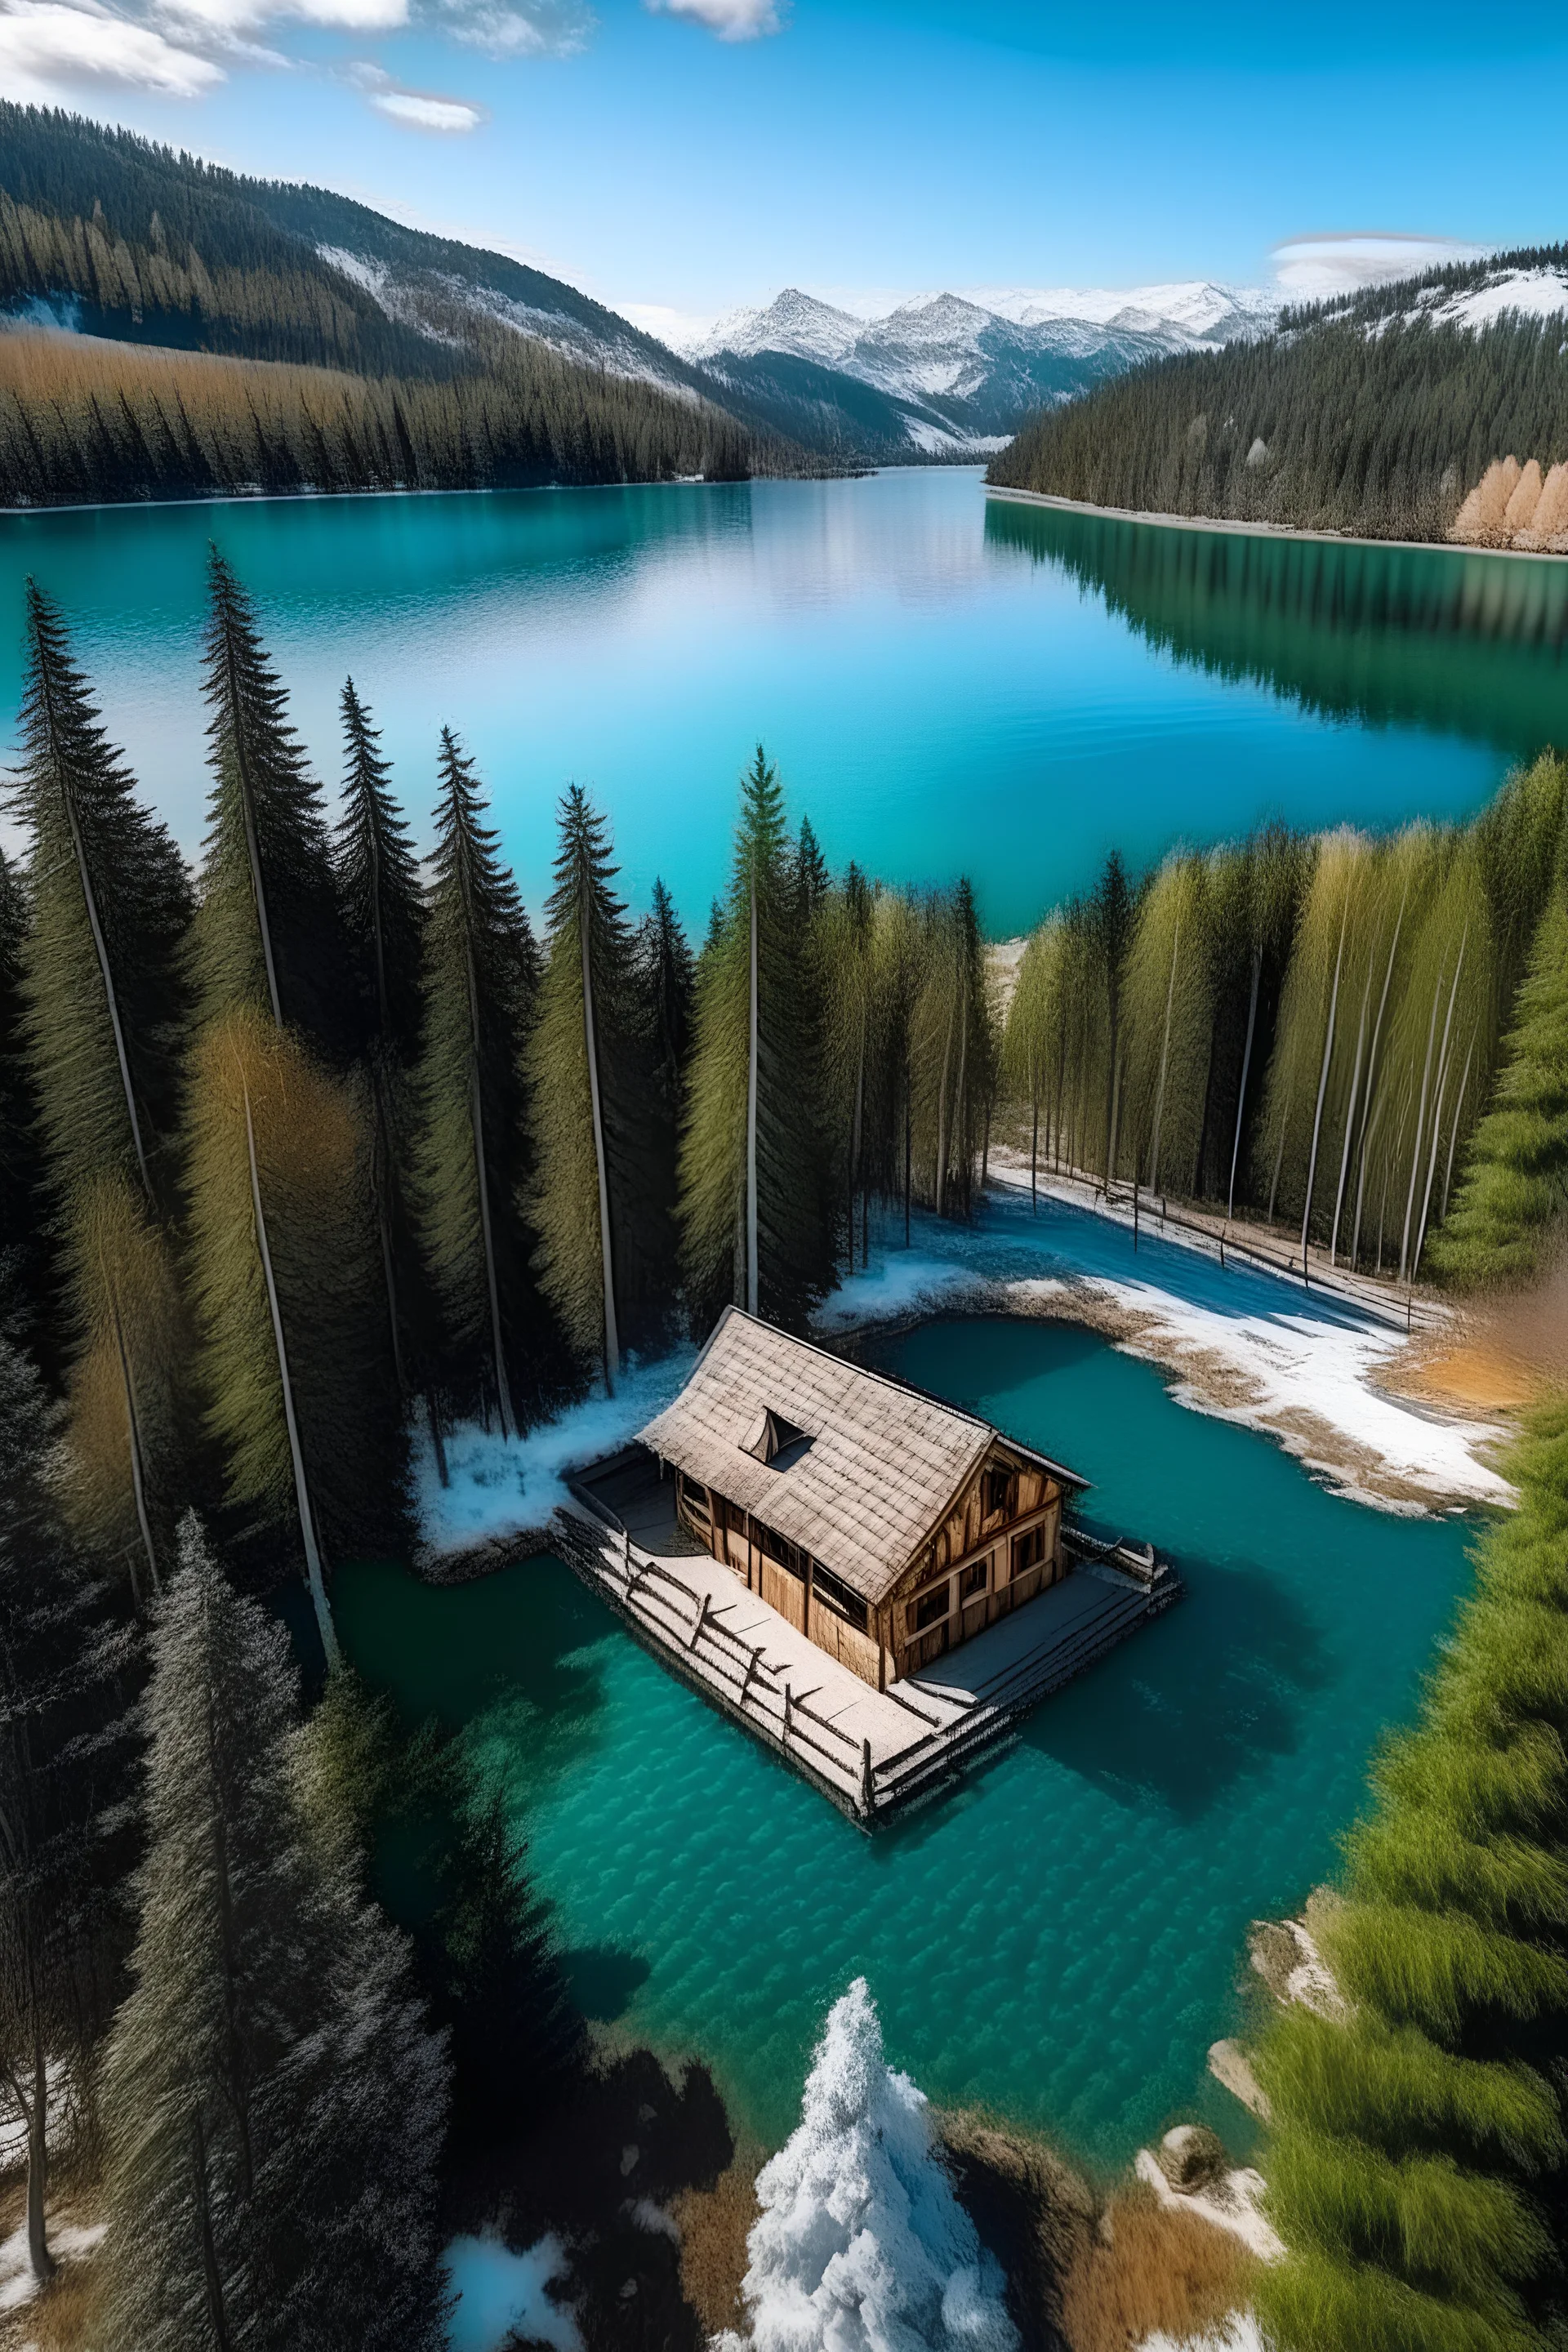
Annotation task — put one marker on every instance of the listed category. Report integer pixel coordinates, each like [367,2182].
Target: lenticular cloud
[862,2246]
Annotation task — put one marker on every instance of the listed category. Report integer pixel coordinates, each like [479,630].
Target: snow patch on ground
[861,2245]
[1534,293]
[68,2242]
[501,2296]
[500,1488]
[1234,2203]
[1240,2333]
[1244,1343]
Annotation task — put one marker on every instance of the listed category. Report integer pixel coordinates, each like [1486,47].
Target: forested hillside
[463,369]
[1379,416]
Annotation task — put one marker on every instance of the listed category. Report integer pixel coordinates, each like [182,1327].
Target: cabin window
[779,1549]
[1001,1486]
[695,1497]
[839,1597]
[932,1606]
[974,1578]
[1029,1549]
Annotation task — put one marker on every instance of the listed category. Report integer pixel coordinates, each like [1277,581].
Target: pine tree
[129,1449]
[860,2240]
[853,1025]
[1112,914]
[1416,2159]
[269,931]
[473,1161]
[110,904]
[664,983]
[60,1661]
[288,1297]
[274,2104]
[953,1051]
[1512,1205]
[666,979]
[21,1283]
[1032,1039]
[384,915]
[589,1099]
[810,878]
[753,1218]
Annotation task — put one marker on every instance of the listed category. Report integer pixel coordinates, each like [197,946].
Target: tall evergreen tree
[853,1022]
[809,876]
[288,1295]
[666,980]
[1112,914]
[269,930]
[274,2108]
[588,1103]
[473,1158]
[954,1051]
[59,1664]
[1418,2161]
[383,913]
[752,1207]
[1512,1207]
[110,904]
[106,1005]
[20,1174]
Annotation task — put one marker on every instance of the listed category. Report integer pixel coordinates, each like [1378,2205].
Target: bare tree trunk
[1245,1067]
[1035,1150]
[752,1277]
[1349,1119]
[942,1116]
[960,1130]
[854,1139]
[35,2106]
[482,1172]
[908,1151]
[606,1260]
[100,947]
[1322,1085]
[1421,1114]
[1454,1132]
[1165,1061]
[1443,1069]
[301,1491]
[216,2314]
[133,1439]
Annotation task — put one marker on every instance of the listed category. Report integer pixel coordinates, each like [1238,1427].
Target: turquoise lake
[1062,1937]
[947,683]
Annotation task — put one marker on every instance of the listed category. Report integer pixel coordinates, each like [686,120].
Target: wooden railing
[761,1696]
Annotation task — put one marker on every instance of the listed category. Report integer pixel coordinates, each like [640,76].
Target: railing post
[788,1705]
[867,1793]
[626,1555]
[701,1620]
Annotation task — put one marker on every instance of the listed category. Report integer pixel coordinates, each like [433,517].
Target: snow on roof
[876,1464]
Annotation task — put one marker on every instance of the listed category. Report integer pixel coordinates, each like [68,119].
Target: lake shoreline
[1261,530]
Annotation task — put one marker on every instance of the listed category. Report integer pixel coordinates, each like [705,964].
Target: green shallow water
[1062,1938]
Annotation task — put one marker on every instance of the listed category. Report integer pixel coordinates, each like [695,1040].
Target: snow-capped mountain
[959,372]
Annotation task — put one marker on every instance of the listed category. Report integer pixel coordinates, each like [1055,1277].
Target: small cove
[1062,1938]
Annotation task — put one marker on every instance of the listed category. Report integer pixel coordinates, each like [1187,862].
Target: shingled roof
[870,1465]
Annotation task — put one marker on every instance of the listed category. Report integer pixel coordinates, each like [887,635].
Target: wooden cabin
[886,1526]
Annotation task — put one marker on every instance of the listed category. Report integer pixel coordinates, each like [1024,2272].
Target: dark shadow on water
[603,1982]
[1194,1702]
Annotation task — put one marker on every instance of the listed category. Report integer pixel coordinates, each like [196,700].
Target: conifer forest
[1369,414]
[328,1148]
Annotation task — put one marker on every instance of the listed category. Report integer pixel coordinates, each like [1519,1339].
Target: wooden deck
[872,1753]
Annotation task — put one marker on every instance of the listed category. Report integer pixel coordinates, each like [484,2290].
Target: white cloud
[48,46]
[1313,268]
[511,28]
[731,20]
[425,114]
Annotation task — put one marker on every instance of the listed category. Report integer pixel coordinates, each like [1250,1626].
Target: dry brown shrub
[715,2224]
[1523,500]
[61,2318]
[1150,2269]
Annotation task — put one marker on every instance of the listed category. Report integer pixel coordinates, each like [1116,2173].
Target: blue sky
[694,154]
